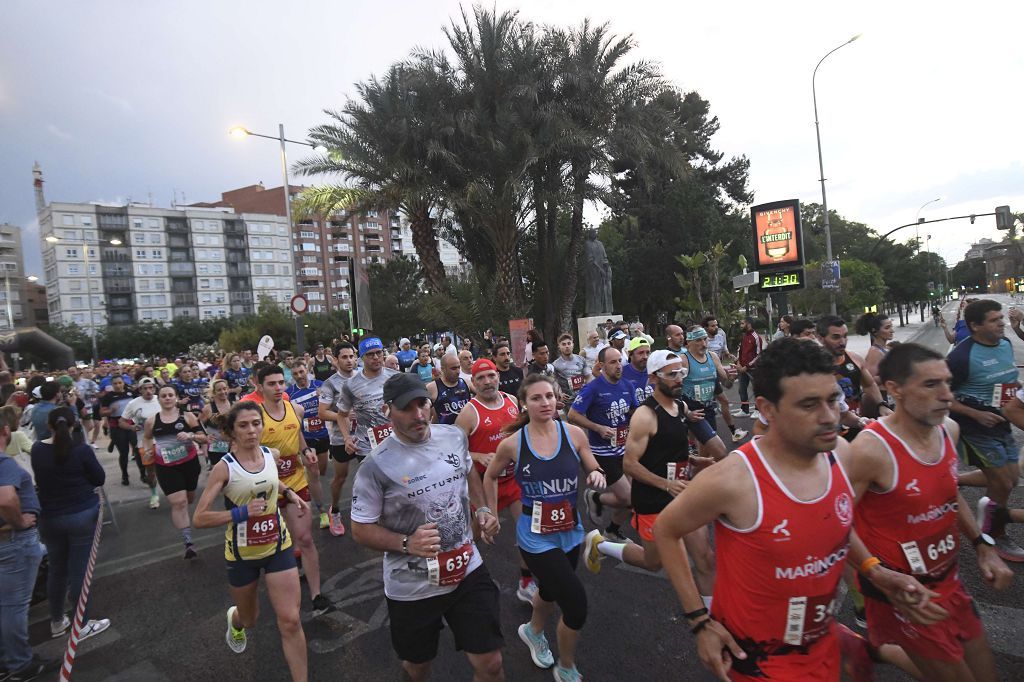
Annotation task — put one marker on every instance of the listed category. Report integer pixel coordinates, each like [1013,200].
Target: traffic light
[1004,219]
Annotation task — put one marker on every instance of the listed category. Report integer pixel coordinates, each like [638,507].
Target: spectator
[20,444]
[751,346]
[48,395]
[67,475]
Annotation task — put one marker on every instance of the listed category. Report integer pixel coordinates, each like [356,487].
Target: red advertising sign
[778,237]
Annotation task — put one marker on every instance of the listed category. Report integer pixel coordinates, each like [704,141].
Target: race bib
[174,453]
[220,446]
[619,439]
[449,568]
[312,424]
[932,555]
[286,466]
[808,618]
[577,382]
[677,471]
[704,392]
[377,434]
[552,517]
[508,471]
[259,530]
[1002,394]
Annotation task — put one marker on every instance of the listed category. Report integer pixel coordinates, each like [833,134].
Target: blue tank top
[700,381]
[313,427]
[553,480]
[450,400]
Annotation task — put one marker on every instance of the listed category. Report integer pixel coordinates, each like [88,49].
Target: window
[199,239]
[87,220]
[76,285]
[219,298]
[137,222]
[282,230]
[282,243]
[203,269]
[91,235]
[307,235]
[159,285]
[161,315]
[140,254]
[157,254]
[144,299]
[158,269]
[146,316]
[67,219]
[155,239]
[215,240]
[159,299]
[285,270]
[309,259]
[143,285]
[222,312]
[71,253]
[77,301]
[217,269]
[74,269]
[204,283]
[138,238]
[218,283]
[371,214]
[153,222]
[78,318]
[257,282]
[205,297]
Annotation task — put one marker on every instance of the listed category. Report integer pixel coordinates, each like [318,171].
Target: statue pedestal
[585,325]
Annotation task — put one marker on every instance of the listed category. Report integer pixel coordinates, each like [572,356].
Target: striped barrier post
[76,626]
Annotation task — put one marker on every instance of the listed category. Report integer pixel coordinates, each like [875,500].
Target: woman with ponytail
[880,332]
[67,475]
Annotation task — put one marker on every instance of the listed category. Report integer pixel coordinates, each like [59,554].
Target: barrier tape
[76,627]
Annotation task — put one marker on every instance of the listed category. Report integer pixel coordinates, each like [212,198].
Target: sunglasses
[673,374]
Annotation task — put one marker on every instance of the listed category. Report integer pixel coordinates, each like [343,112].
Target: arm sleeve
[702,430]
[367,494]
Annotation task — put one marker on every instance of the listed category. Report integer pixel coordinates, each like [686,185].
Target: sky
[122,100]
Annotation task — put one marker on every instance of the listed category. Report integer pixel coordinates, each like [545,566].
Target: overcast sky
[129,100]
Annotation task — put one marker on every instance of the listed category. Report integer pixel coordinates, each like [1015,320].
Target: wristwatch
[983,539]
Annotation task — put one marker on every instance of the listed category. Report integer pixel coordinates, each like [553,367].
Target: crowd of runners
[848,485]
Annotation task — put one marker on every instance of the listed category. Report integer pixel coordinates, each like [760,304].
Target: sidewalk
[860,344]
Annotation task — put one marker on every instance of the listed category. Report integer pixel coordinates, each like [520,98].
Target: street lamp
[917,219]
[821,166]
[88,283]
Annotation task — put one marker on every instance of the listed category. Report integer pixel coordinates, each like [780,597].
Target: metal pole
[917,219]
[88,298]
[10,314]
[821,168]
[284,170]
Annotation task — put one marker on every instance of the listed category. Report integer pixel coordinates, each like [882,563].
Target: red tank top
[487,434]
[776,584]
[912,526]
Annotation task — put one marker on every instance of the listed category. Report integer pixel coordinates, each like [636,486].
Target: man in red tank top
[910,515]
[782,506]
[483,419]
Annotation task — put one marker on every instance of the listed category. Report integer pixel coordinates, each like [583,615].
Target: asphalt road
[168,614]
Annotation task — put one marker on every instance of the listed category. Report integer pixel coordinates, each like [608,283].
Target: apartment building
[12,312]
[120,264]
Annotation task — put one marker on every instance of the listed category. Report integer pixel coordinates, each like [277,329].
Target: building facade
[12,259]
[121,264]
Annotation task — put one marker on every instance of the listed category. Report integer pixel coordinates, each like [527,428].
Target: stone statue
[597,276]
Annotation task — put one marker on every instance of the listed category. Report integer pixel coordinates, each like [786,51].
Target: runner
[321,367]
[433,574]
[538,363]
[448,393]
[220,401]
[859,388]
[238,377]
[172,435]
[634,372]
[704,375]
[570,369]
[510,376]
[718,344]
[256,540]
[983,374]
[306,394]
[406,355]
[330,400]
[88,392]
[590,351]
[603,407]
[192,389]
[282,431]
[466,367]
[659,467]
[424,365]
[547,455]
[112,406]
[908,515]
[484,420]
[879,330]
[133,418]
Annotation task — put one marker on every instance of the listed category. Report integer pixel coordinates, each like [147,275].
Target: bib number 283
[449,568]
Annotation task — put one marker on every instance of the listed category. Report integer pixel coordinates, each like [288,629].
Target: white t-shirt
[138,410]
[590,354]
[402,486]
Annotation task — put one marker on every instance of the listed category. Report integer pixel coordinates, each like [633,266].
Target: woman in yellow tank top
[256,540]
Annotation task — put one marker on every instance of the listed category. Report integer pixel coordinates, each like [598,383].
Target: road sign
[747,279]
[830,274]
[300,304]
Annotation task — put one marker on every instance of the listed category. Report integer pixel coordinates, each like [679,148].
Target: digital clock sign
[782,280]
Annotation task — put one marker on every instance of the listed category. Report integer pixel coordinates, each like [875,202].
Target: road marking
[357,584]
[152,556]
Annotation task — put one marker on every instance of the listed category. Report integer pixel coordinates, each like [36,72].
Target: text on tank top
[259,536]
[848,376]
[283,435]
[450,400]
[218,441]
[488,432]
[552,482]
[666,456]
[776,583]
[912,527]
[170,451]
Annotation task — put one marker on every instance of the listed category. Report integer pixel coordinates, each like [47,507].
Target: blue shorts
[988,450]
[244,572]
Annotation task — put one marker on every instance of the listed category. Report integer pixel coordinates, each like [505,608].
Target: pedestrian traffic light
[1004,219]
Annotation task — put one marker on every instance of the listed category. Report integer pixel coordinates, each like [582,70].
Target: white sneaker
[93,627]
[525,592]
[755,415]
[738,435]
[61,628]
[154,502]
[740,413]
[235,638]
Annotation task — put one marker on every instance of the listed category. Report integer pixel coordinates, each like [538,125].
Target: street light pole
[88,298]
[821,167]
[917,219]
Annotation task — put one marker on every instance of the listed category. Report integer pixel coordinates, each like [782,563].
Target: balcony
[239,284]
[234,243]
[186,311]
[179,256]
[182,269]
[177,241]
[177,227]
[241,297]
[238,269]
[118,286]
[395,234]
[237,255]
[119,302]
[184,298]
[239,309]
[234,227]
[117,271]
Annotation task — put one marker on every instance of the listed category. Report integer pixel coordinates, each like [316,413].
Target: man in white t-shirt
[591,348]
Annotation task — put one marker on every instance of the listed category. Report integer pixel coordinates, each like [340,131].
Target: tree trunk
[542,287]
[572,255]
[424,240]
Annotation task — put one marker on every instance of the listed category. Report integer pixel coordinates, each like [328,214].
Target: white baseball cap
[660,359]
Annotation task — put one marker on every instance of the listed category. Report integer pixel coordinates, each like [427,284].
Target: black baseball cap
[402,388]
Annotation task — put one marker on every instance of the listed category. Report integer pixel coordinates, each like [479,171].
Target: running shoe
[591,555]
[985,509]
[321,605]
[93,627]
[590,502]
[61,628]
[755,415]
[860,618]
[740,413]
[325,521]
[537,643]
[856,655]
[1008,550]
[567,674]
[124,480]
[190,551]
[616,536]
[526,591]
[154,501]
[336,526]
[738,435]
[235,637]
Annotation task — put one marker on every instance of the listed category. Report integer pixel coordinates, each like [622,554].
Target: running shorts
[644,524]
[612,468]
[174,479]
[244,572]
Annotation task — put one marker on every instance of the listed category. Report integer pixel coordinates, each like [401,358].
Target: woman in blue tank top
[547,455]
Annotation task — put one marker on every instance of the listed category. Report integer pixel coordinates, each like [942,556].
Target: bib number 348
[449,568]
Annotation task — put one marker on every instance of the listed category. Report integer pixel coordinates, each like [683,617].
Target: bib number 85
[942,547]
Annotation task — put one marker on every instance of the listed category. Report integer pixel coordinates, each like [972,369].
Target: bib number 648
[942,547]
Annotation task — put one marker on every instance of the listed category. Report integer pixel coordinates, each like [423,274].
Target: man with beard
[635,371]
[509,375]
[859,388]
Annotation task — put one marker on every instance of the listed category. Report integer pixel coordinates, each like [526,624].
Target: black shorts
[244,572]
[612,468]
[340,454]
[471,610]
[179,477]
[321,445]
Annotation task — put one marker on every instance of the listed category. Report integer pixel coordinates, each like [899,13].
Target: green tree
[396,297]
[969,274]
[860,284]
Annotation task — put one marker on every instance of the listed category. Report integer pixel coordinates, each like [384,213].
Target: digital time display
[782,280]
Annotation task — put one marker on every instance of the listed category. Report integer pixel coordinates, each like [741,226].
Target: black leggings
[555,572]
[126,442]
